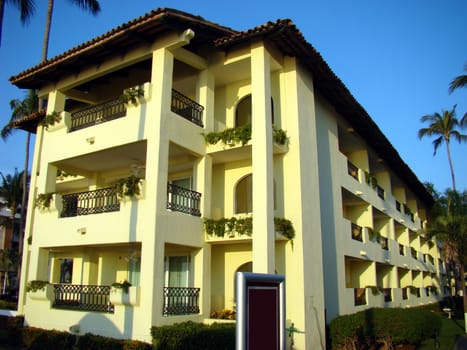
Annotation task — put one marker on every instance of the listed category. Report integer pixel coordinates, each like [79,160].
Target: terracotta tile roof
[30,122]
[137,31]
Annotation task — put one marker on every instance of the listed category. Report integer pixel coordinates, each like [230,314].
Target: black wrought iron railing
[100,113]
[91,202]
[352,170]
[183,200]
[180,301]
[83,298]
[187,108]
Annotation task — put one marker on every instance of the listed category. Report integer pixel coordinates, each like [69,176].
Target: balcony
[384,242]
[183,200]
[387,293]
[380,191]
[398,206]
[82,298]
[97,114]
[90,202]
[186,108]
[180,301]
[413,252]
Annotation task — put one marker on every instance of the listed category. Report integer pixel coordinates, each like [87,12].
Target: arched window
[244,111]
[244,195]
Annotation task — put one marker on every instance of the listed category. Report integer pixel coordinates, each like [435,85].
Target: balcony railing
[91,202]
[183,200]
[180,301]
[100,113]
[187,108]
[352,170]
[82,298]
[357,232]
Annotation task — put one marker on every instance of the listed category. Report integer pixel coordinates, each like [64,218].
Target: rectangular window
[177,271]
[134,267]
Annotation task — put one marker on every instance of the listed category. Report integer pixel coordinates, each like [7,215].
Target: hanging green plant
[51,119]
[279,136]
[284,227]
[132,95]
[35,285]
[124,286]
[43,200]
[244,226]
[128,186]
[242,135]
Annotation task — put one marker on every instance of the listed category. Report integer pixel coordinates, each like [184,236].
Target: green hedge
[192,336]
[403,326]
[92,341]
[38,339]
[10,330]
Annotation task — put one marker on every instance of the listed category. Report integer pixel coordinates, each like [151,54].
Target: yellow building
[252,155]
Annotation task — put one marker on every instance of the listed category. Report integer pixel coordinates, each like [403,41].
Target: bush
[403,326]
[38,339]
[11,327]
[191,335]
[91,341]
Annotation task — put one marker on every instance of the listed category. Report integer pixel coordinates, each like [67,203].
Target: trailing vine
[132,95]
[43,200]
[35,285]
[244,226]
[124,286]
[51,119]
[128,186]
[242,135]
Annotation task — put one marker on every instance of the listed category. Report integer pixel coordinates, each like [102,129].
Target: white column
[158,109]
[262,161]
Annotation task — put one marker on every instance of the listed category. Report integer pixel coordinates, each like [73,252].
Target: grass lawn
[450,329]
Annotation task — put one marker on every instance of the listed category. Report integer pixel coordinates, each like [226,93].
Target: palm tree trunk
[48,22]
[450,165]
[2,9]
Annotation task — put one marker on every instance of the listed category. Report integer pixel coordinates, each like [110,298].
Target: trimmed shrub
[403,326]
[193,336]
[91,341]
[38,339]
[10,329]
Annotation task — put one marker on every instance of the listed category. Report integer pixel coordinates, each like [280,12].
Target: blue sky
[396,57]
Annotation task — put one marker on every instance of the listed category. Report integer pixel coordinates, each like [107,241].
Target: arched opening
[244,195]
[243,112]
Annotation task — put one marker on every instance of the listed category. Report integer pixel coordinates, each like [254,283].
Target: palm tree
[449,224]
[20,110]
[8,263]
[26,9]
[458,82]
[11,190]
[92,6]
[444,126]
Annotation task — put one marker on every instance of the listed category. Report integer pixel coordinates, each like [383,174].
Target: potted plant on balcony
[43,200]
[123,293]
[132,95]
[40,290]
[128,187]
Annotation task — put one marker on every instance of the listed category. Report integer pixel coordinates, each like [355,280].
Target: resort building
[175,152]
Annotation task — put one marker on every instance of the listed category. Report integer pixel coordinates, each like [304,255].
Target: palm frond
[91,6]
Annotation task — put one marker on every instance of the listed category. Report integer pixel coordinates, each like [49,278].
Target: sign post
[260,311]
